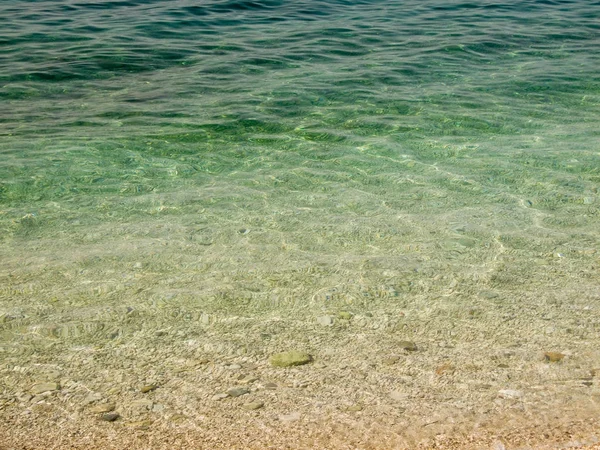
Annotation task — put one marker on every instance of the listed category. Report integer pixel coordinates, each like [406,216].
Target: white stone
[509,393]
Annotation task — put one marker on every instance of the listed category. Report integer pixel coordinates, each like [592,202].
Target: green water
[287,160]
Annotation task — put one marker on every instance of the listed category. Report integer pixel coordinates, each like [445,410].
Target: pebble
[176,418]
[291,417]
[104,408]
[142,404]
[238,391]
[91,398]
[219,396]
[344,315]
[38,398]
[391,360]
[158,408]
[27,397]
[325,321]
[40,388]
[253,405]
[291,358]
[398,396]
[553,356]
[509,393]
[408,345]
[249,365]
[248,379]
[271,386]
[446,368]
[354,408]
[497,445]
[109,417]
[148,388]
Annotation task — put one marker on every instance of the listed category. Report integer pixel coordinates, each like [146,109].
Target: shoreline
[96,435]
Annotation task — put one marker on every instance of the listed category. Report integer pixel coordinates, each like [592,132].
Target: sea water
[200,160]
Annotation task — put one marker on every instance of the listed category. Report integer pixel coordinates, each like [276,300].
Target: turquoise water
[248,157]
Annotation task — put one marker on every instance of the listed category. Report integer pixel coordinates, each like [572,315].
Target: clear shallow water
[239,156]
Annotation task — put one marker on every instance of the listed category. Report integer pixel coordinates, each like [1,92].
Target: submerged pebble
[40,388]
[253,405]
[553,356]
[325,321]
[408,346]
[238,391]
[291,358]
[104,408]
[109,417]
[148,387]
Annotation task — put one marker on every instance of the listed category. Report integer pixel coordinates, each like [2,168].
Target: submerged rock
[408,346]
[553,356]
[238,391]
[291,358]
[40,388]
[148,387]
[253,405]
[109,417]
[325,321]
[103,408]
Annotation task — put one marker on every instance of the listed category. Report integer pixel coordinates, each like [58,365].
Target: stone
[446,368]
[354,408]
[291,417]
[497,445]
[177,418]
[219,396]
[25,398]
[103,408]
[344,315]
[250,366]
[271,386]
[398,396]
[325,321]
[248,379]
[408,346]
[40,388]
[291,358]
[553,356]
[91,398]
[158,408]
[238,391]
[143,404]
[253,405]
[390,361]
[510,394]
[53,375]
[148,387]
[109,417]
